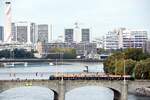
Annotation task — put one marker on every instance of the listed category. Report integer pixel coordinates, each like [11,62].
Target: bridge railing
[87,76]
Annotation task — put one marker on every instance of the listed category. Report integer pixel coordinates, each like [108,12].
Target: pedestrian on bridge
[36,73]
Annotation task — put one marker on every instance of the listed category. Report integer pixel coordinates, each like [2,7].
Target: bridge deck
[62,76]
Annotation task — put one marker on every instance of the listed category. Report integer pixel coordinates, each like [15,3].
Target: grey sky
[100,15]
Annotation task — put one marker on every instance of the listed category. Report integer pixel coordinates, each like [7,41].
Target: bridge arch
[117,94]
[51,85]
[28,89]
[115,86]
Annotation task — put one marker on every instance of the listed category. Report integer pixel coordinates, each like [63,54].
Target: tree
[114,63]
[136,63]
[119,67]
[65,53]
[16,53]
[109,64]
[129,64]
[135,54]
[5,53]
[70,54]
[142,69]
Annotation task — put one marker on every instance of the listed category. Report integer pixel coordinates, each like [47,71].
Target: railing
[89,76]
[64,76]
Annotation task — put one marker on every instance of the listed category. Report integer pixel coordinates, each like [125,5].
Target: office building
[22,32]
[69,35]
[13,31]
[43,34]
[83,49]
[85,35]
[77,35]
[33,33]
[1,33]
[147,47]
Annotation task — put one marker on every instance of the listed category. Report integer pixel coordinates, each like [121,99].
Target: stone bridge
[62,86]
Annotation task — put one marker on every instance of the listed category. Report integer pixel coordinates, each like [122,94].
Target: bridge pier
[62,90]
[124,91]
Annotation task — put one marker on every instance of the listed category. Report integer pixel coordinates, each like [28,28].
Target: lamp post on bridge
[124,71]
[125,90]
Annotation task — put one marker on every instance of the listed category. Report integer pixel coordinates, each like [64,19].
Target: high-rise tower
[1,33]
[85,35]
[7,28]
[43,33]
[69,35]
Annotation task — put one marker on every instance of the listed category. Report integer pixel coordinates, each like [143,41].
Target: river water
[41,93]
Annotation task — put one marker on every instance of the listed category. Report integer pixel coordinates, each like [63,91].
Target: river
[41,93]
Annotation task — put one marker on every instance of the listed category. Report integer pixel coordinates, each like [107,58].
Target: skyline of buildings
[104,15]
[31,33]
[27,33]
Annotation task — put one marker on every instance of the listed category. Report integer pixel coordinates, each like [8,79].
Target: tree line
[62,53]
[134,60]
[16,54]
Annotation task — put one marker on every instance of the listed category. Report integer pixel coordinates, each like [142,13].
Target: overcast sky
[100,15]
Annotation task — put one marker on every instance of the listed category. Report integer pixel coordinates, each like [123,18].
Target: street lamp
[115,66]
[124,71]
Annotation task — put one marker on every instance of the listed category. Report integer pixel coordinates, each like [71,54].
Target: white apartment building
[99,42]
[111,41]
[134,38]
[125,38]
[147,46]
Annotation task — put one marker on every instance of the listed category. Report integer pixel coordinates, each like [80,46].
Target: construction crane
[77,24]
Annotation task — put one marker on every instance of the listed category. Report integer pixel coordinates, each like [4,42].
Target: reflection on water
[133,97]
[39,93]
[90,93]
[27,93]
